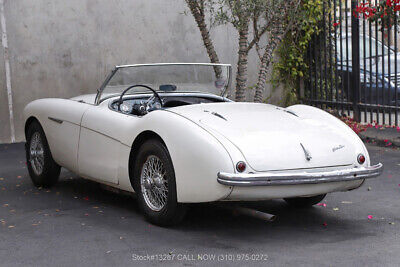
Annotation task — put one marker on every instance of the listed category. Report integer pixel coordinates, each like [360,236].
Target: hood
[273,138]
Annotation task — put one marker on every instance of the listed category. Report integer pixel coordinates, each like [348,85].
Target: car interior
[140,104]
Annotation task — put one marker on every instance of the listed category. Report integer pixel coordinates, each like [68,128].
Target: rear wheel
[303,202]
[43,170]
[155,185]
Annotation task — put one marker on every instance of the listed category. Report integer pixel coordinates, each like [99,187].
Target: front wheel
[43,170]
[154,183]
[304,202]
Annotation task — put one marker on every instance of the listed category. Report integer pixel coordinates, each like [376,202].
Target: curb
[386,137]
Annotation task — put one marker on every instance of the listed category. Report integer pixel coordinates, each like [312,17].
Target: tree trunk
[264,66]
[199,16]
[241,74]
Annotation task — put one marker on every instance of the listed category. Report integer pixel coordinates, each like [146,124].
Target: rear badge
[337,148]
[306,153]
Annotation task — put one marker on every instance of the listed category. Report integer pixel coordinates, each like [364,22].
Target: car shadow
[213,219]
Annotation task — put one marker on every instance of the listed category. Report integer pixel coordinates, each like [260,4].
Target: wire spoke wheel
[154,183]
[36,154]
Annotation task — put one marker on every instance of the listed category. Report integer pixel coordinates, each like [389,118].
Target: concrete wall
[5,133]
[64,48]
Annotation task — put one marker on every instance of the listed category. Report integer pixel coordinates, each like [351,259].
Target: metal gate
[354,65]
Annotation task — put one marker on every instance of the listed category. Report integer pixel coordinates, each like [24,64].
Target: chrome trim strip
[267,179]
[56,120]
[176,63]
[306,153]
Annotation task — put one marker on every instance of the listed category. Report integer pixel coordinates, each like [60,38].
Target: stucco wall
[64,48]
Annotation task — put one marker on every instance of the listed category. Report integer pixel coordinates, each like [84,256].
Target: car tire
[43,170]
[304,202]
[155,186]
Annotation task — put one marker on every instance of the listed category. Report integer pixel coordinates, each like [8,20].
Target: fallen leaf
[95,207]
[11,226]
[1,178]
[57,210]
[12,210]
[17,185]
[5,205]
[335,209]
[370,217]
[347,202]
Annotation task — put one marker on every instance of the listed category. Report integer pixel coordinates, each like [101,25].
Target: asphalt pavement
[78,223]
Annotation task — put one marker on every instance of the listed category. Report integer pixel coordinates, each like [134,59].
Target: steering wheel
[143,109]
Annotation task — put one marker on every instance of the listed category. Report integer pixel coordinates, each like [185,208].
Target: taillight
[361,158]
[241,166]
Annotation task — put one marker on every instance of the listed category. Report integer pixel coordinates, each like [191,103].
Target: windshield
[187,77]
[371,45]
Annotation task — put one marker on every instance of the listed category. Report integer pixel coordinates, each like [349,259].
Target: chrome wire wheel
[36,154]
[153,183]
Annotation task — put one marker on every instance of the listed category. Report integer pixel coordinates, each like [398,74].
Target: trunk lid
[272,138]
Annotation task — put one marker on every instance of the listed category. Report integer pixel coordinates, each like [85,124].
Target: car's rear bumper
[271,179]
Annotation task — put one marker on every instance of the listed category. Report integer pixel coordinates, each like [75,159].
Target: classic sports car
[168,133]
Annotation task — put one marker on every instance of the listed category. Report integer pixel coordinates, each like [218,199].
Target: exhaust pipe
[251,212]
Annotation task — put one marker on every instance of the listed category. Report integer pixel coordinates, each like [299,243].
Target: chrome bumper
[266,179]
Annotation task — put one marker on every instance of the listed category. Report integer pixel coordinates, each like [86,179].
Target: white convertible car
[167,132]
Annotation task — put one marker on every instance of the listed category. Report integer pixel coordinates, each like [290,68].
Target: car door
[99,144]
[61,122]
